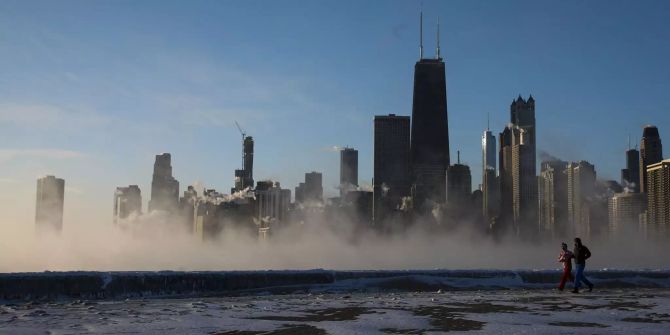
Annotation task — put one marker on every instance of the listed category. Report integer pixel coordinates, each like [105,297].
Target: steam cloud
[155,242]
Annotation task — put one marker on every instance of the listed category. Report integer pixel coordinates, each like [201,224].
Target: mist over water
[153,242]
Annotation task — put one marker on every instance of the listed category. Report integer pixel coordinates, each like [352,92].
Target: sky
[91,91]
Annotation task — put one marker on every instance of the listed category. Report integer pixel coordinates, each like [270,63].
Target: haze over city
[93,102]
[334,167]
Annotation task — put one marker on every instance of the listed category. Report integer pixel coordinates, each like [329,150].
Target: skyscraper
[553,201]
[520,169]
[489,179]
[127,201]
[581,189]
[272,201]
[658,197]
[311,190]
[524,186]
[49,204]
[523,117]
[430,131]
[164,188]
[505,218]
[244,178]
[391,180]
[459,188]
[624,211]
[630,176]
[651,152]
[348,170]
[187,207]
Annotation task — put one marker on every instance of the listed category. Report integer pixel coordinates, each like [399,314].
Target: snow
[519,311]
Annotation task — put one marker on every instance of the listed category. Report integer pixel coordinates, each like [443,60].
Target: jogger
[565,257]
[582,253]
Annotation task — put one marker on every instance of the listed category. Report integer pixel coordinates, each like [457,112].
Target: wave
[120,285]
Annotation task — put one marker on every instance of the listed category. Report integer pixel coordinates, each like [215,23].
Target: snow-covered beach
[332,302]
[518,311]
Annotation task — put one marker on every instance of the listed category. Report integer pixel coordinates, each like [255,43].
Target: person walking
[565,257]
[581,254]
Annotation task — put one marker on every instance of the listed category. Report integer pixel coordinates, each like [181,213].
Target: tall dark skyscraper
[348,170]
[430,131]
[391,180]
[523,117]
[311,190]
[49,205]
[244,178]
[630,176]
[127,201]
[651,152]
[490,201]
[459,186]
[505,178]
[164,188]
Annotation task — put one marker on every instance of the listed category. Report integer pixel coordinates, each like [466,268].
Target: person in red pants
[565,257]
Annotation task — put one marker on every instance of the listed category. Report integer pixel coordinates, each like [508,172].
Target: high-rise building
[244,178]
[49,204]
[518,180]
[311,190]
[651,152]
[459,184]
[127,201]
[300,193]
[490,196]
[348,170]
[658,197]
[187,207]
[522,114]
[358,206]
[272,202]
[505,218]
[624,211]
[581,189]
[164,188]
[553,199]
[524,186]
[630,176]
[430,131]
[391,180]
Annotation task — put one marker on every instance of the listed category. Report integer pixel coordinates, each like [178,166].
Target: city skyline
[67,158]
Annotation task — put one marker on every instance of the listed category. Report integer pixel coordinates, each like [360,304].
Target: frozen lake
[515,311]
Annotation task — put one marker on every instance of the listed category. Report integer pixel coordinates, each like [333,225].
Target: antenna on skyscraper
[628,141]
[438,38]
[458,159]
[421,35]
[488,121]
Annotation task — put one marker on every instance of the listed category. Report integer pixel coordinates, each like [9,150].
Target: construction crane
[241,131]
[244,135]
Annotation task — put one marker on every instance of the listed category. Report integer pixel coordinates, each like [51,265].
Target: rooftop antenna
[458,155]
[488,121]
[438,38]
[421,35]
[628,141]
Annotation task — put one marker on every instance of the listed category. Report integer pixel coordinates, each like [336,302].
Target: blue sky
[92,90]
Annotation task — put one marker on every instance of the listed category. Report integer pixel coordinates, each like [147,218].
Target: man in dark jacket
[581,254]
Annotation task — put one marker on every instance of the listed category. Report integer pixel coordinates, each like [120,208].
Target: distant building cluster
[414,181]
